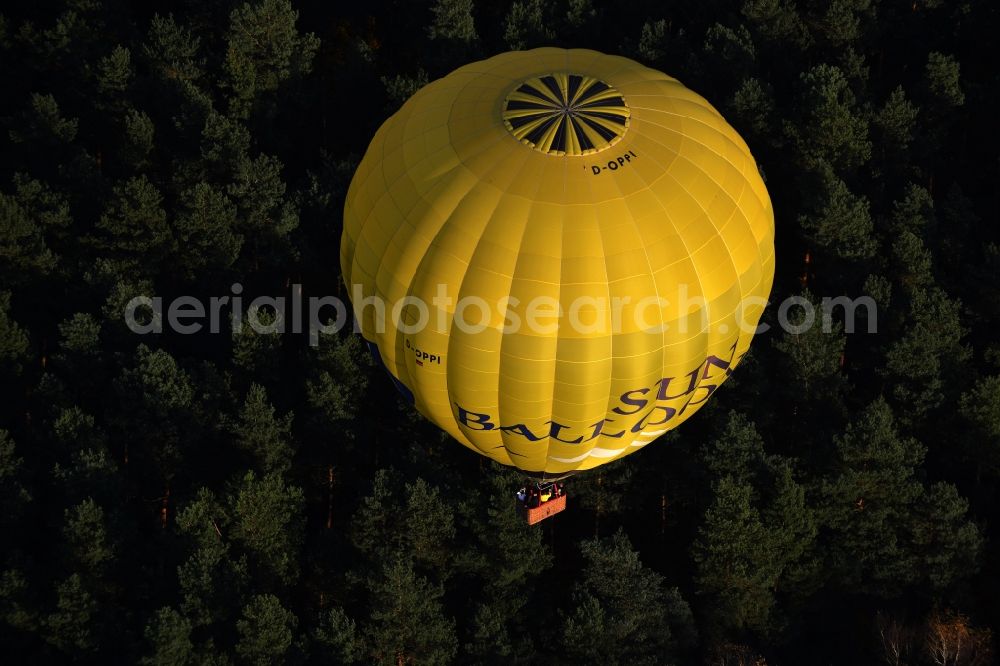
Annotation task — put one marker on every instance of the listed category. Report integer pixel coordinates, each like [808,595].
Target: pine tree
[266,437]
[914,212]
[911,261]
[730,52]
[80,335]
[225,144]
[813,356]
[947,543]
[340,378]
[841,23]
[414,524]
[582,17]
[737,452]
[114,71]
[79,357]
[17,610]
[70,627]
[137,144]
[133,234]
[49,209]
[778,21]
[266,631]
[268,522]
[880,289]
[257,349]
[791,524]
[943,79]
[622,612]
[204,228]
[867,503]
[14,494]
[453,21]
[156,419]
[896,120]
[89,471]
[980,409]
[43,126]
[838,221]
[736,566]
[654,41]
[13,340]
[527,25]
[831,128]
[402,87]
[169,635]
[407,621]
[172,50]
[87,538]
[929,357]
[753,109]
[429,523]
[490,641]
[24,253]
[338,636]
[265,217]
[264,49]
[212,581]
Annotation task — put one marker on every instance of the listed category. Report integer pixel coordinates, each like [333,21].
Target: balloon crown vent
[566,114]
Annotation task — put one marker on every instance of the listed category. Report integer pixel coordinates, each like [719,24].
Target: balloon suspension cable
[550,477]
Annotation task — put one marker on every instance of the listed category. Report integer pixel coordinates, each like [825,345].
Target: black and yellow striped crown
[566,114]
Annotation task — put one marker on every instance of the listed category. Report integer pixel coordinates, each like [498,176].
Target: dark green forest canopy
[249,498]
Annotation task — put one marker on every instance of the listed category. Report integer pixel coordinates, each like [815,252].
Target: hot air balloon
[559,255]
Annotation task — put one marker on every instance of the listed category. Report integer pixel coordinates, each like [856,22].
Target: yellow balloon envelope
[559,255]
